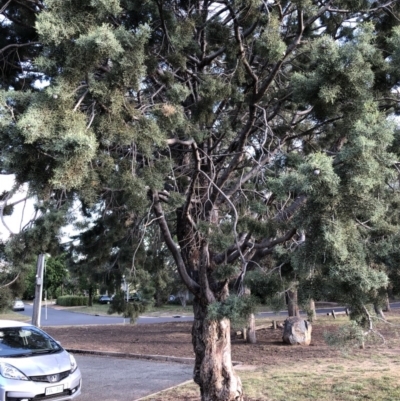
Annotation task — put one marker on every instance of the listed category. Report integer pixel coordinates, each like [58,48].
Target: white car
[34,366]
[18,305]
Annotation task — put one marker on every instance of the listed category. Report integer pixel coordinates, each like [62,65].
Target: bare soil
[174,339]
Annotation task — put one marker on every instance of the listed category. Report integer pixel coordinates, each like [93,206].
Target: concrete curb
[162,358]
[148,397]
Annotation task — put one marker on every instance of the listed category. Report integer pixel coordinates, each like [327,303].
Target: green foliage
[130,310]
[236,309]
[55,274]
[270,45]
[72,300]
[226,272]
[268,288]
[349,335]
[6,299]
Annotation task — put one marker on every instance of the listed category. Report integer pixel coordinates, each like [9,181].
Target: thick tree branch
[18,45]
[172,246]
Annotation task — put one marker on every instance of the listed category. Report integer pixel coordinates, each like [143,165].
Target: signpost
[38,291]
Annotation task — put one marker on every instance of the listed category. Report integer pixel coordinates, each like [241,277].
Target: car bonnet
[40,365]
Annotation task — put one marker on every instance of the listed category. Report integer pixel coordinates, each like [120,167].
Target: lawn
[165,310]
[345,379]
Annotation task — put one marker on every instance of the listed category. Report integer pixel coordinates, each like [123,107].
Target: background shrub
[72,300]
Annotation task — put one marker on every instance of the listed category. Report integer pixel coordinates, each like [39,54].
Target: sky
[23,212]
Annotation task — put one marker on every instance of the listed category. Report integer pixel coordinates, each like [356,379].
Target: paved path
[119,379]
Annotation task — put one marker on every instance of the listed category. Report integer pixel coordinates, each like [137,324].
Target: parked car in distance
[18,305]
[174,300]
[34,366]
[136,297]
[105,299]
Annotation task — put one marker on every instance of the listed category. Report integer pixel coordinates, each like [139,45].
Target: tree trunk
[387,304]
[293,308]
[251,330]
[312,314]
[90,301]
[159,301]
[213,370]
[378,311]
[182,295]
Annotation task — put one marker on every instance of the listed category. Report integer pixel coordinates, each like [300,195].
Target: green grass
[96,309]
[307,381]
[14,316]
[166,310]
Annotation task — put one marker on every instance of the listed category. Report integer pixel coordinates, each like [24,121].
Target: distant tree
[159,266]
[56,272]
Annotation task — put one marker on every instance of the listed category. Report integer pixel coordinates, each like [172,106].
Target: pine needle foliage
[258,136]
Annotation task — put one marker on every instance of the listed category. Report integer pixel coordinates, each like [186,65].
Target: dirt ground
[174,339]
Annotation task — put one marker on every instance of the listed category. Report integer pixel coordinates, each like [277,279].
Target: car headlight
[74,365]
[10,372]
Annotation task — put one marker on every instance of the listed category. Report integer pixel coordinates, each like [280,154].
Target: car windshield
[25,340]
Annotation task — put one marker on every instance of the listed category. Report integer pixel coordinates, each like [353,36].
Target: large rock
[296,331]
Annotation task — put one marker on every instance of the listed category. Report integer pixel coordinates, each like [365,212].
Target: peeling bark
[213,370]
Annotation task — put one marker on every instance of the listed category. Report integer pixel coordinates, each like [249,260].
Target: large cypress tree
[247,130]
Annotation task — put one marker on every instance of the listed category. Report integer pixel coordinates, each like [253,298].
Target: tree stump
[312,313]
[296,331]
[251,330]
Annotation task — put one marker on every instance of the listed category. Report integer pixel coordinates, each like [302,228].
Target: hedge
[72,300]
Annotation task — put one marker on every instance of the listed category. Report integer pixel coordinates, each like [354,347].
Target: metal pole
[38,291]
[123,278]
[45,292]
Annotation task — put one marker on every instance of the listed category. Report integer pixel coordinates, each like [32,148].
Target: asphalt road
[116,379]
[55,317]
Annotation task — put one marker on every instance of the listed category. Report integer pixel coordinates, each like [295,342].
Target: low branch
[2,210]
[18,45]
[5,6]
[287,213]
[11,282]
[157,207]
[271,243]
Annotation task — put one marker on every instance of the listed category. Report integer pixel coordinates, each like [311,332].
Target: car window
[24,340]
